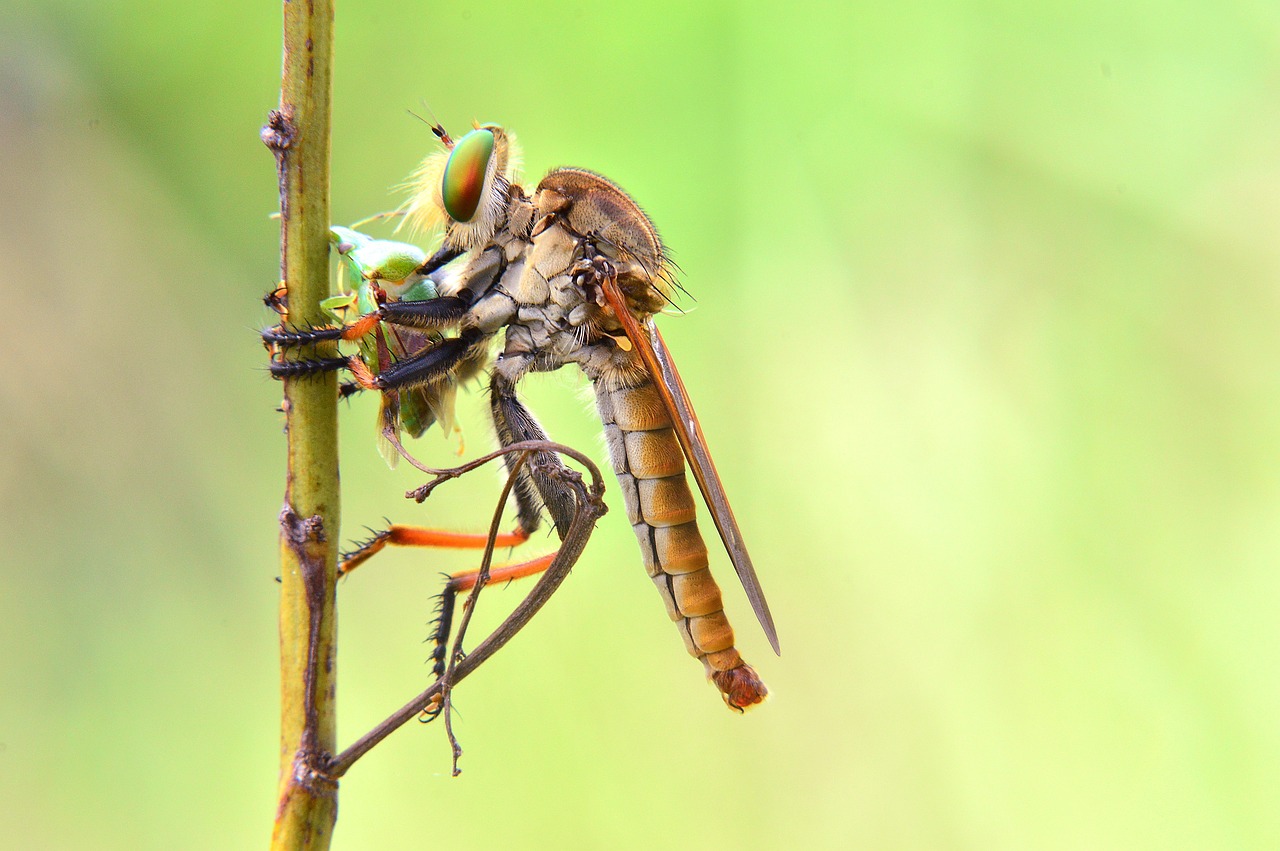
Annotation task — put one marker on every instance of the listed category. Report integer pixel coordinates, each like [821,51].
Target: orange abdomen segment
[650,469]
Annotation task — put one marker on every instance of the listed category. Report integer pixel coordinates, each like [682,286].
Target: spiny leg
[456,583]
[433,363]
[430,365]
[429,315]
[540,480]
[475,581]
[399,535]
[465,580]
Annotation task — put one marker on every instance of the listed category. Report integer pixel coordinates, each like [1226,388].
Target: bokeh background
[984,342]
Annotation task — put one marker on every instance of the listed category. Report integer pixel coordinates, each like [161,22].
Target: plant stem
[298,134]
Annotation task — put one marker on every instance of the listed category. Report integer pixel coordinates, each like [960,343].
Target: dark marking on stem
[279,132]
[278,135]
[304,535]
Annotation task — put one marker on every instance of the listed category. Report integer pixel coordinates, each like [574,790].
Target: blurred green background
[984,342]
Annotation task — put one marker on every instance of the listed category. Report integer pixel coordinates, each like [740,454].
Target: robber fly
[570,274]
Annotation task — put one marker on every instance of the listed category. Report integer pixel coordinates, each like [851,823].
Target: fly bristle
[373,540]
[424,209]
[309,335]
[306,367]
[441,625]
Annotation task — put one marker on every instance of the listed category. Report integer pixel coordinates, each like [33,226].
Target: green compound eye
[464,174]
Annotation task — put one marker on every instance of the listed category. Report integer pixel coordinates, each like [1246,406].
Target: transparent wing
[653,351]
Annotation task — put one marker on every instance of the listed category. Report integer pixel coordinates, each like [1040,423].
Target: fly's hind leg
[418,536]
[456,583]
[539,481]
[464,581]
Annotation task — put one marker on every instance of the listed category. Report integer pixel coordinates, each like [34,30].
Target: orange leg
[361,327]
[464,580]
[416,536]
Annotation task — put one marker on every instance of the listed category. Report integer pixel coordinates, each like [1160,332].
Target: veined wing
[653,351]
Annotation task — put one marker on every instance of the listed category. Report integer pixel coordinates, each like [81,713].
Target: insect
[572,273]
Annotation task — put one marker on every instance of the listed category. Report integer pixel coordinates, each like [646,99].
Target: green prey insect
[378,271]
[572,273]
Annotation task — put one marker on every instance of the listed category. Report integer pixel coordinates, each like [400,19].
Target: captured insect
[570,274]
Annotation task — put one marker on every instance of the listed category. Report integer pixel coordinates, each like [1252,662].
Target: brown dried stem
[469,607]
[588,509]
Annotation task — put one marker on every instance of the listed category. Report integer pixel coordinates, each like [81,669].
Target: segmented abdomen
[650,468]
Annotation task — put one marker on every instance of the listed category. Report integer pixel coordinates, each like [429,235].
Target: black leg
[433,363]
[278,336]
[440,258]
[537,481]
[425,367]
[430,315]
[310,366]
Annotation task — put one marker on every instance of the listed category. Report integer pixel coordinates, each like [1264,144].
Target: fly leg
[541,479]
[432,364]
[431,315]
[455,584]
[416,536]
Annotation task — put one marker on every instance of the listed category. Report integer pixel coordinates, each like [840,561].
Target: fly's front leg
[430,364]
[431,315]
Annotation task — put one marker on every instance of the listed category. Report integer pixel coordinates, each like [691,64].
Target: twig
[469,607]
[389,434]
[589,507]
[444,475]
[298,134]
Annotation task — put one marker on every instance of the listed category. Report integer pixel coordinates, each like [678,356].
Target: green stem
[298,134]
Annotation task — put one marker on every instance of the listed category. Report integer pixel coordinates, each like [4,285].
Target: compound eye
[464,174]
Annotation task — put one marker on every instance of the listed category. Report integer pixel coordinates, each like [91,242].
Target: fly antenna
[435,125]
